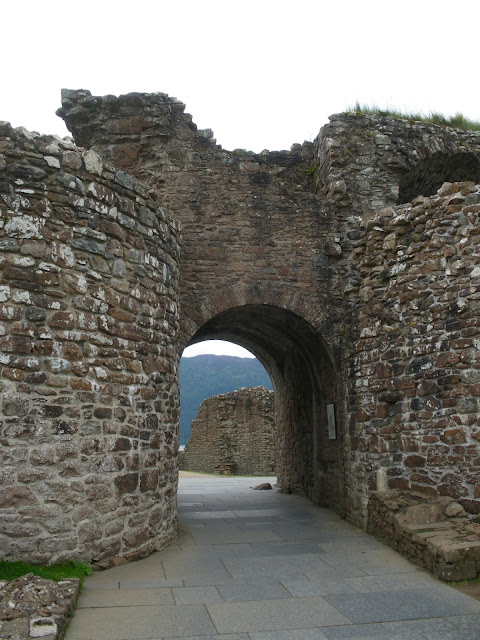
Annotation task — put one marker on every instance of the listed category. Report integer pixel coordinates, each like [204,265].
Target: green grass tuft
[57,572]
[458,121]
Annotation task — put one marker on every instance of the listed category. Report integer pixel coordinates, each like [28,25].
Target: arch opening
[227,422]
[211,368]
[305,383]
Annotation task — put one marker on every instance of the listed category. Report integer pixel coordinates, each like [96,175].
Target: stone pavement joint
[302,573]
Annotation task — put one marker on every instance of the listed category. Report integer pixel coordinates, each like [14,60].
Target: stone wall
[280,257]
[88,375]
[416,364]
[233,433]
[366,166]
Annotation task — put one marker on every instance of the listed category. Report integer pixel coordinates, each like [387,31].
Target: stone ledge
[432,531]
[32,607]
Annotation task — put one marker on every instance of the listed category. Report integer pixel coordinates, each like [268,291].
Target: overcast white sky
[260,73]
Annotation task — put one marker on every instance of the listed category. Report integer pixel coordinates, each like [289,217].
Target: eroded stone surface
[434,532]
[32,607]
[388,292]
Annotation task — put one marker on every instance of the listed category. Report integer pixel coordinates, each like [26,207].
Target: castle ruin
[349,266]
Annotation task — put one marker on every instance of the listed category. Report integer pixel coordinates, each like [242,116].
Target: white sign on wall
[332,427]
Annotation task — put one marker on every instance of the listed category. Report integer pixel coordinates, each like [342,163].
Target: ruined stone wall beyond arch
[233,434]
[88,371]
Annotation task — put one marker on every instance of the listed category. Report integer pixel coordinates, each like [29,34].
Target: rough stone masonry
[233,434]
[89,316]
[349,266]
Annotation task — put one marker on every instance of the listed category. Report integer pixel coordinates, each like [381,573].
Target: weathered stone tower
[89,321]
[337,263]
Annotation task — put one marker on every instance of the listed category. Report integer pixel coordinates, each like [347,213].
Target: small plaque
[332,427]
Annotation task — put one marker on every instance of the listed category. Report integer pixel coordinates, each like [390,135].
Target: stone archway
[305,382]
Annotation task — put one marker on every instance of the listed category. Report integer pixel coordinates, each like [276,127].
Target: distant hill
[207,375]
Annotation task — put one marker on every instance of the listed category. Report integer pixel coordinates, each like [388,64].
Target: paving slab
[306,587]
[298,634]
[289,548]
[208,515]
[196,595]
[465,622]
[292,531]
[253,565]
[275,564]
[273,615]
[409,630]
[90,585]
[179,569]
[149,584]
[230,636]
[245,592]
[359,632]
[232,535]
[425,625]
[373,562]
[205,580]
[393,582]
[261,513]
[147,569]
[454,635]
[124,598]
[359,542]
[128,623]
[406,604]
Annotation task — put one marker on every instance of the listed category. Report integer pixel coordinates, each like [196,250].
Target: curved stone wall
[88,370]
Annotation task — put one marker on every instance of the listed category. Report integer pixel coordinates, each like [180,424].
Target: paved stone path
[258,565]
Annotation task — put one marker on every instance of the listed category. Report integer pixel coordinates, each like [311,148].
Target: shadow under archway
[305,382]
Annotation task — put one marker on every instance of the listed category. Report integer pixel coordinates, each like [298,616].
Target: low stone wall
[432,531]
[32,607]
[233,434]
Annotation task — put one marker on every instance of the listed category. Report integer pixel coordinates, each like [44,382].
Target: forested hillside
[208,375]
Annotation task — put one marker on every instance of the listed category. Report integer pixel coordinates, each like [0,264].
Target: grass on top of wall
[57,572]
[458,121]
